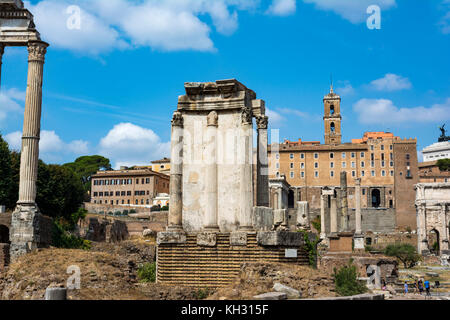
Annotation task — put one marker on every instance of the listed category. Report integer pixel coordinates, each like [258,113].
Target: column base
[246,229]
[174,229]
[212,229]
[30,230]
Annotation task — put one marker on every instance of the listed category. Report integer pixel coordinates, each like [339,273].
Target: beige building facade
[386,164]
[128,187]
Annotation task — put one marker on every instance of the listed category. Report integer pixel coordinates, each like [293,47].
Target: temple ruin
[29,229]
[214,222]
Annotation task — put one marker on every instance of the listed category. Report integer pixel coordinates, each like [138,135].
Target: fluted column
[262,193]
[344,202]
[246,174]
[32,124]
[175,220]
[2,50]
[323,233]
[333,216]
[358,206]
[445,240]
[211,218]
[422,241]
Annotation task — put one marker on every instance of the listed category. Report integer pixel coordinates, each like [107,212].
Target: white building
[436,151]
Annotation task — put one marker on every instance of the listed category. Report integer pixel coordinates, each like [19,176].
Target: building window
[382,164]
[372,156]
[373,173]
[363,192]
[316,156]
[408,157]
[383,173]
[128,201]
[372,164]
[123,201]
[382,147]
[302,156]
[277,156]
[363,154]
[343,155]
[331,164]
[371,147]
[353,173]
[353,164]
[278,174]
[344,164]
[408,174]
[137,181]
[316,174]
[362,164]
[292,165]
[106,201]
[331,155]
[137,201]
[291,156]
[390,147]
[292,175]
[353,154]
[363,173]
[391,164]
[95,194]
[316,165]
[392,173]
[302,165]
[278,166]
[331,174]
[302,174]
[147,181]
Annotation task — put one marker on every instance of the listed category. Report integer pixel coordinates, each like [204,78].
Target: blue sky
[112,84]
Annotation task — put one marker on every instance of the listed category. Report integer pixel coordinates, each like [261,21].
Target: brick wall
[191,265]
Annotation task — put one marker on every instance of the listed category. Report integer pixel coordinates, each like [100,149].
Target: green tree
[346,281]
[404,252]
[84,167]
[6,182]
[444,164]
[59,191]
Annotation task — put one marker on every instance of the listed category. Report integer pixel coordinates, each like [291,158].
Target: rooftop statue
[443,137]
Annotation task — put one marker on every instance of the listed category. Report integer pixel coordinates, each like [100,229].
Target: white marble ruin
[211,187]
[433,215]
[17,29]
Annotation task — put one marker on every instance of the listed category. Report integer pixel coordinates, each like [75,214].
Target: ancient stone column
[445,240]
[344,202]
[262,197]
[211,218]
[32,124]
[333,216]
[2,50]
[175,220]
[280,199]
[358,206]
[246,174]
[358,237]
[422,242]
[323,234]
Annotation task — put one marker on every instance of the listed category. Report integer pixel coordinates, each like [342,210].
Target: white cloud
[168,25]
[352,10]
[346,89]
[274,117]
[51,147]
[11,102]
[445,23]
[128,144]
[381,111]
[282,7]
[297,113]
[390,82]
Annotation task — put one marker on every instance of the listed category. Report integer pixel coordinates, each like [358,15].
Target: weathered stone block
[271,296]
[280,238]
[207,239]
[280,216]
[238,238]
[263,218]
[290,292]
[168,237]
[56,294]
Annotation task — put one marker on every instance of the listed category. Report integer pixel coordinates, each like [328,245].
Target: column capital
[247,116]
[37,51]
[177,119]
[262,122]
[212,119]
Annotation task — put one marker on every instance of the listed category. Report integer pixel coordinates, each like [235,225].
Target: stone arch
[4,234]
[434,244]
[376,198]
[333,127]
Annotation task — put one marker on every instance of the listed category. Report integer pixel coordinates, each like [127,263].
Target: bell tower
[332,118]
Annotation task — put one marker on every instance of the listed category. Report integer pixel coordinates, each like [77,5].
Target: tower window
[332,109]
[332,127]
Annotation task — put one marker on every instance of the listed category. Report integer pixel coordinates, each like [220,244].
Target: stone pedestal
[262,195]
[359,242]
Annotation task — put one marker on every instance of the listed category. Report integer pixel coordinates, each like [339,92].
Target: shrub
[165,208]
[125,212]
[155,208]
[147,272]
[311,248]
[132,211]
[368,248]
[404,252]
[346,281]
[443,164]
[118,213]
[316,223]
[63,239]
[202,294]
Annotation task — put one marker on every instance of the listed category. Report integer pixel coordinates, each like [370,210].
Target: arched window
[332,109]
[333,127]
